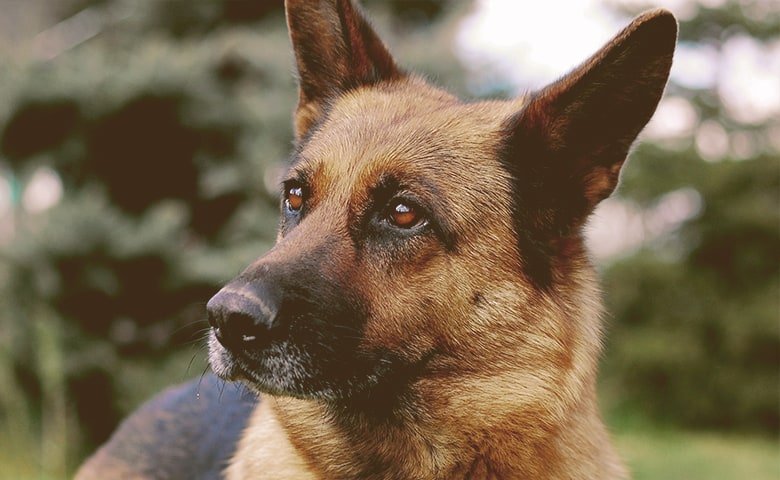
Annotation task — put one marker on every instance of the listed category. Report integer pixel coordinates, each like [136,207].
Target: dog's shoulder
[186,432]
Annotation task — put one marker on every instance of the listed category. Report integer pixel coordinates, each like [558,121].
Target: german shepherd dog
[429,310]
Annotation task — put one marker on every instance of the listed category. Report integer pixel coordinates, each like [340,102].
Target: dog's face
[421,235]
[388,241]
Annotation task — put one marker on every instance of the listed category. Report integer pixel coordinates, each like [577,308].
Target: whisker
[202,335]
[221,391]
[197,352]
[187,325]
[200,380]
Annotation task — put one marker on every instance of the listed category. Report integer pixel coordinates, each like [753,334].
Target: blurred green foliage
[168,130]
[695,317]
[694,338]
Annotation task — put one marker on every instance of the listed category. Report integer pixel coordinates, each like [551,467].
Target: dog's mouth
[311,371]
[302,350]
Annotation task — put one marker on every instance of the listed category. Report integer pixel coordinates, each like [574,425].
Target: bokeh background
[140,144]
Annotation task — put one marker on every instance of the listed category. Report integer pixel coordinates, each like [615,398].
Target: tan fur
[265,451]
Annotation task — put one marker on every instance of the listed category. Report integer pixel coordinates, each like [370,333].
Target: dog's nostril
[240,330]
[240,323]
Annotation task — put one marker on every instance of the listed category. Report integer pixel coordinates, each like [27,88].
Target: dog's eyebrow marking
[297,161]
[300,171]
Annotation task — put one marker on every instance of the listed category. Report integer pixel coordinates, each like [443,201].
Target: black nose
[241,318]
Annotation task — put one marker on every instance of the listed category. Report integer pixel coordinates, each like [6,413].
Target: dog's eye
[404,215]
[294,197]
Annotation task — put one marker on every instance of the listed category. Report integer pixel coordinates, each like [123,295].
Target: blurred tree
[167,130]
[695,334]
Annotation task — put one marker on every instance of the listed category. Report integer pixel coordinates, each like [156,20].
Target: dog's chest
[265,452]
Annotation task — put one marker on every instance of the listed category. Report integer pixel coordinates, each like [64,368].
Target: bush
[695,340]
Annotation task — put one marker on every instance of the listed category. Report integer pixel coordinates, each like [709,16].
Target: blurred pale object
[749,79]
[43,191]
[619,227]
[530,43]
[523,45]
[6,194]
[683,9]
[744,145]
[696,65]
[675,118]
[712,141]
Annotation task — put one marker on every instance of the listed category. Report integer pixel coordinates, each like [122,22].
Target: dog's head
[422,235]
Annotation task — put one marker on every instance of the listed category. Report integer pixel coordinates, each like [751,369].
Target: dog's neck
[308,440]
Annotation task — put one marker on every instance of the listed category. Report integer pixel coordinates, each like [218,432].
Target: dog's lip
[241,367]
[244,375]
[233,365]
[239,370]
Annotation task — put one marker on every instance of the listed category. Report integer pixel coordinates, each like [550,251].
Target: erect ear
[335,50]
[566,146]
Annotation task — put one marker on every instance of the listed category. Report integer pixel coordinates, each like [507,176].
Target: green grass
[20,457]
[677,455]
[23,454]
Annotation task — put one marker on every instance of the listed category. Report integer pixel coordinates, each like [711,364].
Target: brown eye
[404,215]
[294,198]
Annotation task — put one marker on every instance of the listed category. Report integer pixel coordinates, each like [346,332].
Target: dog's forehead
[409,127]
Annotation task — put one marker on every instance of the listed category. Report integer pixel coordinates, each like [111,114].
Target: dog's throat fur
[321,445]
